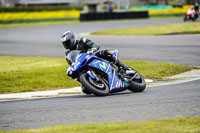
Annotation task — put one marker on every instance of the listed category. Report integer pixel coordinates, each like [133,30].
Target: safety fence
[113,15]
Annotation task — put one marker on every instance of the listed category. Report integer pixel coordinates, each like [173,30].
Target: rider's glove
[69,71]
[91,51]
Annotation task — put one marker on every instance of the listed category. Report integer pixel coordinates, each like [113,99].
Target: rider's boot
[112,56]
[123,66]
[119,64]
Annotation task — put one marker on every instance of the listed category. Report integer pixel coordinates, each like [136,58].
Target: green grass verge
[39,8]
[164,16]
[175,125]
[22,74]
[21,21]
[154,70]
[183,28]
[29,23]
[46,22]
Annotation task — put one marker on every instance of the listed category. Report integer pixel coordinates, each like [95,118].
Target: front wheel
[137,84]
[185,18]
[84,90]
[98,88]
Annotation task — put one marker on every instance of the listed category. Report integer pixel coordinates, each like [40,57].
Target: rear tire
[193,19]
[137,85]
[84,79]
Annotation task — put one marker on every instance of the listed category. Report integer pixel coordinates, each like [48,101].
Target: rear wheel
[137,82]
[193,19]
[97,87]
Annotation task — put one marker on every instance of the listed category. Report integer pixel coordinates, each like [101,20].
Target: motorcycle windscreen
[72,55]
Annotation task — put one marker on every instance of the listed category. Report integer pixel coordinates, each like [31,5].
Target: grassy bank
[165,16]
[7,17]
[39,23]
[175,125]
[183,28]
[62,21]
[22,74]
[37,16]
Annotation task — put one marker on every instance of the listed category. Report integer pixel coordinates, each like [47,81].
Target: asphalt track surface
[154,103]
[45,41]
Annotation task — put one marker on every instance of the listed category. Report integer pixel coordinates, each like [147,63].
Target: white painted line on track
[75,90]
[170,83]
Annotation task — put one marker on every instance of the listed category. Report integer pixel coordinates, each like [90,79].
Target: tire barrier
[114,15]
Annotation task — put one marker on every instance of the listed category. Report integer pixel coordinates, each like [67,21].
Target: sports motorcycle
[101,77]
[191,15]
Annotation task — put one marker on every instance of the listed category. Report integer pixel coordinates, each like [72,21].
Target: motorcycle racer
[85,45]
[196,8]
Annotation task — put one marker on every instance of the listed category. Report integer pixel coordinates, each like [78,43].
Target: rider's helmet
[196,5]
[68,40]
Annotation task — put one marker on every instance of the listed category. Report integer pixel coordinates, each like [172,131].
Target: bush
[14,17]
[39,8]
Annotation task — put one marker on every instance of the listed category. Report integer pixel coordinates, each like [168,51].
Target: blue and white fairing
[76,65]
[114,82]
[93,61]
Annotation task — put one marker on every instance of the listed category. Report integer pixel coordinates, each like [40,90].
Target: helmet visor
[67,44]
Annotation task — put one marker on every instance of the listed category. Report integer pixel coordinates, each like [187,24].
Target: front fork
[91,73]
[95,79]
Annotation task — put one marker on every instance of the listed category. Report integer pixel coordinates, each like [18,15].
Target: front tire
[137,84]
[86,82]
[185,19]
[84,90]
